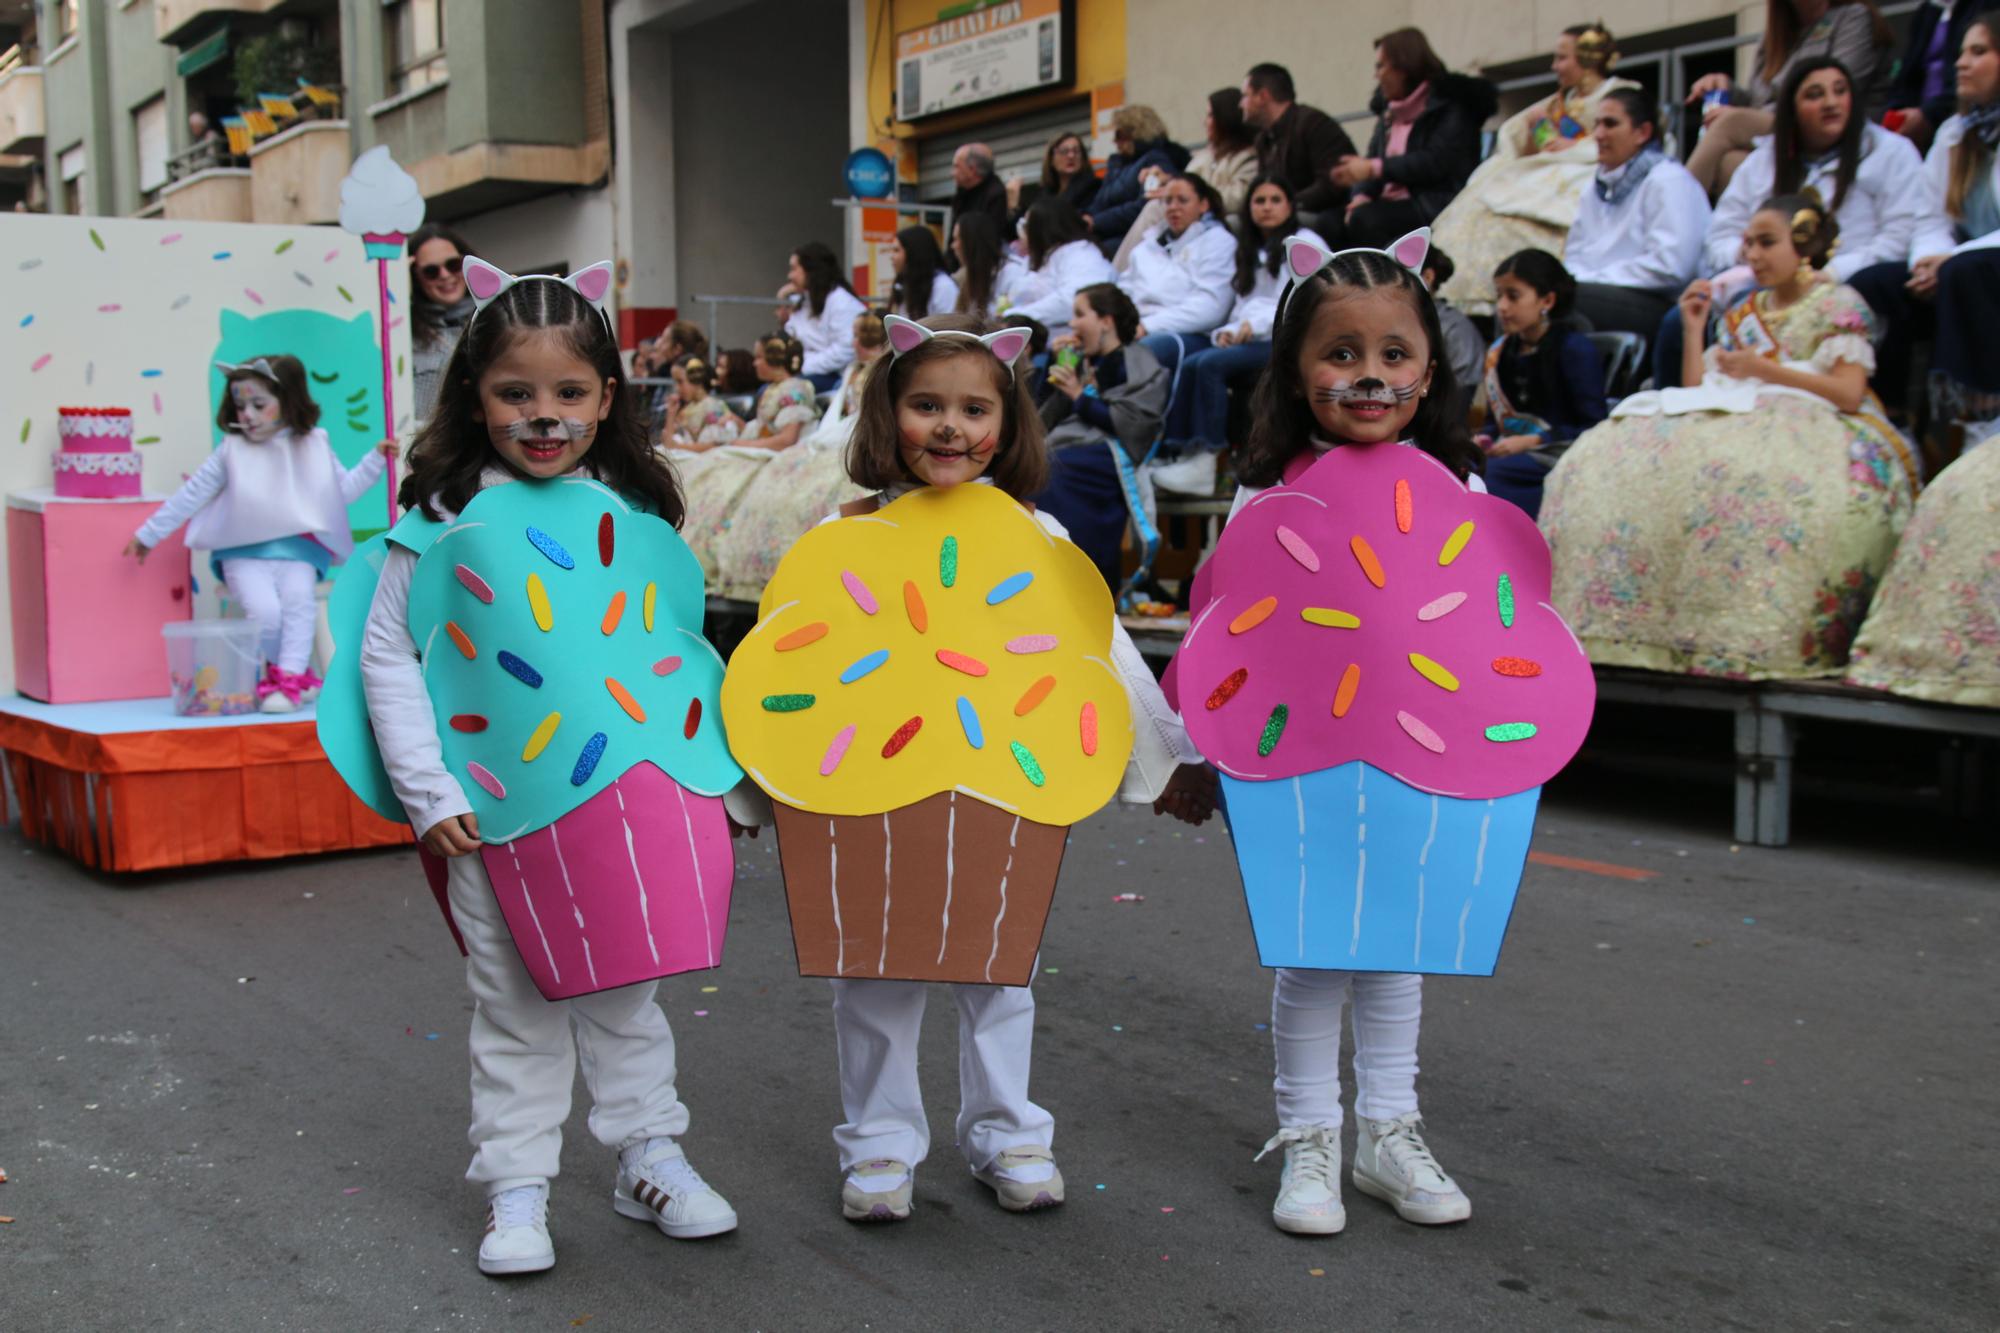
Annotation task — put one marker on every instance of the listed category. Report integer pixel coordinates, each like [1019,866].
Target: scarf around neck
[1615,184]
[1983,123]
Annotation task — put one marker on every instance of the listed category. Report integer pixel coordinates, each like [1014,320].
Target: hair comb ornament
[486,284]
[906,335]
[1304,257]
[256,366]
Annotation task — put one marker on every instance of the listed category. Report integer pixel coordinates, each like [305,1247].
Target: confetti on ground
[1749,920]
[1051,969]
[1260,1027]
[353,1189]
[710,990]
[1166,1210]
[430,1036]
[1315,1272]
[1100,1187]
[1115,1027]
[701,1013]
[6,1219]
[1128,897]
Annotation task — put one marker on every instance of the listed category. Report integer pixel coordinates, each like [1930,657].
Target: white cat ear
[593,284]
[1411,250]
[1008,344]
[484,281]
[905,335]
[1304,256]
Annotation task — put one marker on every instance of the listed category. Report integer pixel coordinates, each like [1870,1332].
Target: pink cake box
[96,461]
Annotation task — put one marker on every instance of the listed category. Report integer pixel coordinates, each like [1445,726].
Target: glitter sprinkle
[1420,733]
[520,670]
[551,548]
[1343,697]
[913,606]
[968,721]
[835,752]
[1516,666]
[1332,619]
[1364,555]
[1086,726]
[1510,731]
[538,602]
[858,591]
[646,601]
[545,731]
[1008,587]
[1433,673]
[1504,595]
[948,561]
[801,636]
[614,612]
[1298,548]
[606,540]
[863,665]
[971,666]
[475,585]
[1031,767]
[1405,509]
[1274,727]
[1443,606]
[692,723]
[461,640]
[1253,615]
[1455,543]
[901,737]
[666,666]
[625,700]
[587,758]
[1032,643]
[479,774]
[1032,697]
[788,703]
[467,722]
[1226,691]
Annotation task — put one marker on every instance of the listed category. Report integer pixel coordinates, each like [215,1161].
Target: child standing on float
[947,411]
[531,392]
[1356,358]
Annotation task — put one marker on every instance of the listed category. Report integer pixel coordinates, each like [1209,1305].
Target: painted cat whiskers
[546,428]
[1369,390]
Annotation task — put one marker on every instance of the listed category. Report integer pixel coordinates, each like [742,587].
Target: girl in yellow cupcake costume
[948,409]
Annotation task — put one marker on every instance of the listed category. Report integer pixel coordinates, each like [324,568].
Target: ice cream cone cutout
[928,699]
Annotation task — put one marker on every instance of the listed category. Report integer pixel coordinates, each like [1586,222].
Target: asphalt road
[1755,1091]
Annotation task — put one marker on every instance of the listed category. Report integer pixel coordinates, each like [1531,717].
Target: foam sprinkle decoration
[538,741]
[475,585]
[863,665]
[1298,548]
[1364,555]
[836,751]
[1274,727]
[551,548]
[1510,731]
[469,722]
[1343,696]
[646,601]
[948,561]
[666,666]
[614,612]
[788,703]
[971,666]
[1226,691]
[859,592]
[901,737]
[1419,732]
[913,606]
[1433,672]
[1332,619]
[1032,643]
[968,721]
[519,670]
[801,636]
[1517,666]
[1009,587]
[692,723]
[463,641]
[1031,768]
[625,700]
[1455,543]
[538,602]
[1032,697]
[606,540]
[1086,727]
[587,758]
[480,774]
[1405,508]
[1504,595]
[1253,615]
[1441,607]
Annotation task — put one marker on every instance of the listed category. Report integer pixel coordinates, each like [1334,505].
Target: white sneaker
[517,1232]
[1191,474]
[878,1191]
[277,702]
[657,1184]
[1309,1190]
[1392,1164]
[1023,1179]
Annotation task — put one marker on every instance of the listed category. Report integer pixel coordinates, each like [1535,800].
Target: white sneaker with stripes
[517,1232]
[657,1184]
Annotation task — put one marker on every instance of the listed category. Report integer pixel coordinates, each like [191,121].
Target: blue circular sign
[870,175]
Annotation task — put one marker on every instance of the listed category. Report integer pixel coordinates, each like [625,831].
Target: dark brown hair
[1410,51]
[1232,133]
[453,448]
[1020,464]
[910,297]
[782,352]
[982,255]
[822,272]
[686,335]
[868,328]
[1052,180]
[1110,302]
[296,408]
[1281,415]
[426,315]
[696,370]
[1970,158]
[740,375]
[1812,227]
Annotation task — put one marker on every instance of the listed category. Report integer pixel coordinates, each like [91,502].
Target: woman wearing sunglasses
[439,308]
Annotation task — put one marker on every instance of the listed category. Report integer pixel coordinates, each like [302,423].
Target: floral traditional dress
[707,422]
[1738,528]
[715,483]
[1934,630]
[1524,197]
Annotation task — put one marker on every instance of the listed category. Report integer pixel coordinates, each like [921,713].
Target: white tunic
[246,493]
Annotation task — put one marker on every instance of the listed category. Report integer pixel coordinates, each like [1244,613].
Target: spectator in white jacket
[818,308]
[1062,261]
[1637,240]
[1872,180]
[1180,276]
[922,286]
[989,273]
[1955,258]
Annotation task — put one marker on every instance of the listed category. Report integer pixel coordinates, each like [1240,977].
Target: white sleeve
[206,483]
[357,479]
[1901,204]
[1051,297]
[1750,186]
[944,294]
[831,347]
[1933,235]
[1203,296]
[1669,250]
[399,707]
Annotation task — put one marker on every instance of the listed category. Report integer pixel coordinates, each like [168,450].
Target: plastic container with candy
[929,701]
[577,705]
[1374,668]
[213,666]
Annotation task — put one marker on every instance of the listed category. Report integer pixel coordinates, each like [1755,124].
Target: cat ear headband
[1304,257]
[486,283]
[258,366]
[906,335]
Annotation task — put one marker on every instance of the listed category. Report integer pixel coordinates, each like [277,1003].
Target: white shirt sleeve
[1199,298]
[206,483]
[1934,235]
[1750,186]
[944,294]
[828,340]
[356,480]
[399,707]
[1667,250]
[1901,204]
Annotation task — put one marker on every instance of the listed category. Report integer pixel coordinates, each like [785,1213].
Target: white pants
[876,1024]
[278,595]
[524,1061]
[1305,1030]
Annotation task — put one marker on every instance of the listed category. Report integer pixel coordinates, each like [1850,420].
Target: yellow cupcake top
[946,641]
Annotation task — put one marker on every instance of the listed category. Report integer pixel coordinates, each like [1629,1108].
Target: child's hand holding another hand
[454,835]
[1189,795]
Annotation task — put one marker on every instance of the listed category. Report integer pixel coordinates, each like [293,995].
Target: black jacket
[1302,148]
[1444,143]
[988,197]
[1907,88]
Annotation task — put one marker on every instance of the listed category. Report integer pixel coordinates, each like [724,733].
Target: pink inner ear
[594,282]
[904,335]
[1412,249]
[1008,345]
[1303,257]
[483,280]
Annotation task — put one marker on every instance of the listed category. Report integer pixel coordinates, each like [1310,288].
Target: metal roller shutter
[1017,146]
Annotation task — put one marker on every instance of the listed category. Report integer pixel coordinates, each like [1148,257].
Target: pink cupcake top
[1375,609]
